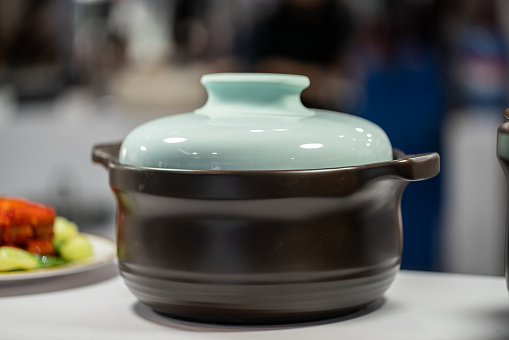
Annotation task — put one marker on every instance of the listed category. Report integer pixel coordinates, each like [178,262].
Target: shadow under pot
[260,247]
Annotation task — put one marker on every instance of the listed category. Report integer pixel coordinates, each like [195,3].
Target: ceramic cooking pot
[503,157]
[255,209]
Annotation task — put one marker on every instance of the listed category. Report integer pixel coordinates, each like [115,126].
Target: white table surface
[97,305]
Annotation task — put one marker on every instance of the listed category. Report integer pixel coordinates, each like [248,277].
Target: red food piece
[19,234]
[40,247]
[22,222]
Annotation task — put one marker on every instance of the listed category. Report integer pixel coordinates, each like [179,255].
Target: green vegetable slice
[76,248]
[50,261]
[63,230]
[12,258]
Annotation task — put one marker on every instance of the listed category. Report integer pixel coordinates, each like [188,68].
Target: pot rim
[253,184]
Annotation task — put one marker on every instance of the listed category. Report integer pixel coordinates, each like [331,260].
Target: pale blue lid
[255,122]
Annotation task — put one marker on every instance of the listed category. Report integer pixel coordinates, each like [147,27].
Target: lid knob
[254,94]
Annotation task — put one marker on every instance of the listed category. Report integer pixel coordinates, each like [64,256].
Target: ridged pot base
[259,304]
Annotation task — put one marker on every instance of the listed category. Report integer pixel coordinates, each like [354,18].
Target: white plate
[104,253]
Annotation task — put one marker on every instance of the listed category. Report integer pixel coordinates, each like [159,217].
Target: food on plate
[33,236]
[27,225]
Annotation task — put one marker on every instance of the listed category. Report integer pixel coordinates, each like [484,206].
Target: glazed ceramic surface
[255,209]
[255,122]
[260,247]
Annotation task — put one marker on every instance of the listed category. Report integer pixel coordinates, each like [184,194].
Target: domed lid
[255,122]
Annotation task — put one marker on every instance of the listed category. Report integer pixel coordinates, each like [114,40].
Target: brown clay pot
[503,157]
[260,247]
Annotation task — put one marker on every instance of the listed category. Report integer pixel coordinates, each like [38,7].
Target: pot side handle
[105,153]
[405,168]
[417,167]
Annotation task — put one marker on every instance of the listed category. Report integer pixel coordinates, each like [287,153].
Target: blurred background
[432,74]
